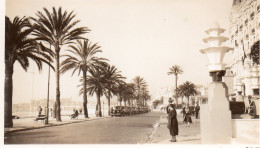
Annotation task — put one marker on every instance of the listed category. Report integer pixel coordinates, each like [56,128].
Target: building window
[241,27]
[253,31]
[246,22]
[236,32]
[236,44]
[258,8]
[247,36]
[252,16]
[232,37]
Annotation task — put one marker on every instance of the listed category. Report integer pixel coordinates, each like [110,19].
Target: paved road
[117,130]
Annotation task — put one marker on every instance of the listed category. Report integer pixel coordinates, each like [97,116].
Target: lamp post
[48,94]
[216,116]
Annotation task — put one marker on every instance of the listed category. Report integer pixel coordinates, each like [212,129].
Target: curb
[32,128]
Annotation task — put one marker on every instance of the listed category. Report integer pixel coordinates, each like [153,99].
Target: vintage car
[117,111]
[125,110]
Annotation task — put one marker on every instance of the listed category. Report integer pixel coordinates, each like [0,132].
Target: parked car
[117,111]
[125,110]
[133,111]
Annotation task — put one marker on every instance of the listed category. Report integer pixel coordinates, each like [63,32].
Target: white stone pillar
[215,116]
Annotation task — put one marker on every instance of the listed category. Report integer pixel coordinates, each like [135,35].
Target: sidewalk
[29,123]
[187,135]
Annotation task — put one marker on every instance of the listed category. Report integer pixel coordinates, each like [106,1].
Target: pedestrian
[40,111]
[187,117]
[80,111]
[197,109]
[172,122]
[51,112]
[183,112]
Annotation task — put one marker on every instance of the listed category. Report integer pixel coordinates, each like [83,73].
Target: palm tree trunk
[108,103]
[57,72]
[85,99]
[99,104]
[176,79]
[8,95]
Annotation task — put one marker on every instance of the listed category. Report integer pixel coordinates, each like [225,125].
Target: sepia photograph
[174,73]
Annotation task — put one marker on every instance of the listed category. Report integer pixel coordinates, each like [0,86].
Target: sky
[140,37]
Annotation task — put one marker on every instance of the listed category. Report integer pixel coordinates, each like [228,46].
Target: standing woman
[187,117]
[172,122]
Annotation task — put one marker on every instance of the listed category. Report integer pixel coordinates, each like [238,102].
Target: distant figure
[80,111]
[76,113]
[183,111]
[239,97]
[40,110]
[172,122]
[197,109]
[187,117]
[51,112]
[112,110]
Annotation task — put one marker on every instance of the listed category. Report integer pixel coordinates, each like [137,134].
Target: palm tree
[140,83]
[120,91]
[188,89]
[129,94]
[19,47]
[179,93]
[113,79]
[175,70]
[96,84]
[81,59]
[55,28]
[144,94]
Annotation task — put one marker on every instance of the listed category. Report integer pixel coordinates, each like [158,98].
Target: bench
[40,117]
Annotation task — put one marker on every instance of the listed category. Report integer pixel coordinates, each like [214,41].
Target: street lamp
[48,94]
[216,116]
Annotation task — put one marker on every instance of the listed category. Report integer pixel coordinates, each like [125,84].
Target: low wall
[245,131]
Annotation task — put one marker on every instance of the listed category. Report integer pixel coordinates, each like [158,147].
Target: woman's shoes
[173,140]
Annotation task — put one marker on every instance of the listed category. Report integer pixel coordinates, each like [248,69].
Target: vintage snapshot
[135,72]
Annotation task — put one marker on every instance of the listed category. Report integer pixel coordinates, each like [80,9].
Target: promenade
[158,135]
[187,135]
[29,123]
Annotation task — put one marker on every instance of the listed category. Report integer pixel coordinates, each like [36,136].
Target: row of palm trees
[186,89]
[41,39]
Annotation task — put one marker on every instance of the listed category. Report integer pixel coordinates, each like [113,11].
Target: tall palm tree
[56,28]
[188,89]
[179,92]
[140,83]
[96,84]
[113,79]
[19,47]
[81,58]
[130,94]
[175,70]
[120,91]
[145,95]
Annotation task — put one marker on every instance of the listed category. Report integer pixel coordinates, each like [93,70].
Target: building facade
[244,31]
